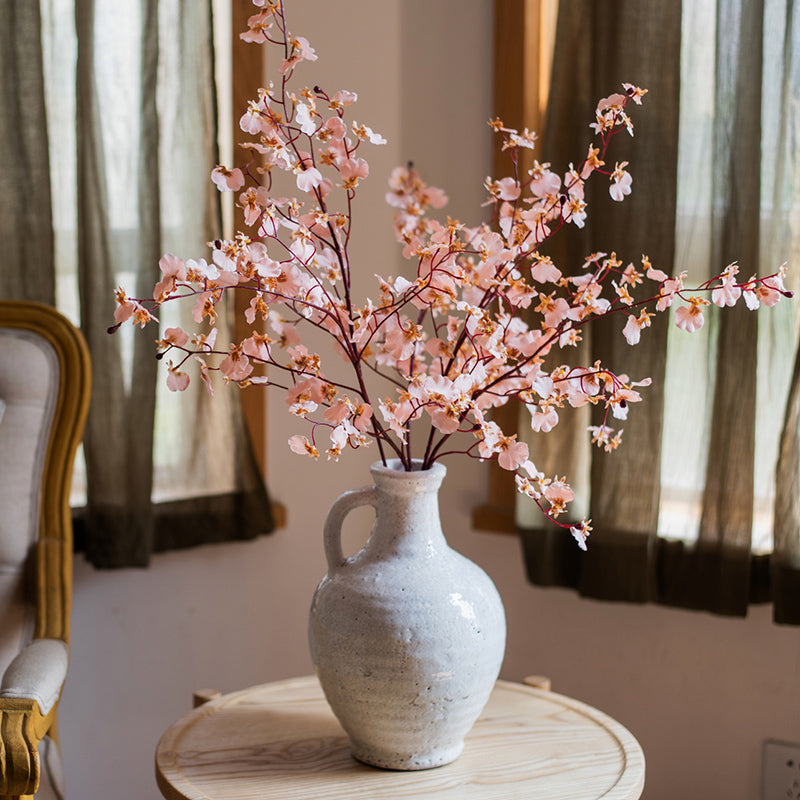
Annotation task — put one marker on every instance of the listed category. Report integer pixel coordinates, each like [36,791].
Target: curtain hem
[178,525]
[637,568]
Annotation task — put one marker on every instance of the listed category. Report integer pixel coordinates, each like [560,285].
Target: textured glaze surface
[407,636]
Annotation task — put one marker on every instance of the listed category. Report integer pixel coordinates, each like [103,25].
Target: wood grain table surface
[280,740]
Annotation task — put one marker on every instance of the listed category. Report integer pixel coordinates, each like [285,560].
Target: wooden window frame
[247,75]
[248,67]
[523,36]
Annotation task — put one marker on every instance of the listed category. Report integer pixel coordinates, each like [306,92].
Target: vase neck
[407,510]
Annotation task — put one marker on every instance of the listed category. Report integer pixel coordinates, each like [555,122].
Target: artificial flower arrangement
[480,323]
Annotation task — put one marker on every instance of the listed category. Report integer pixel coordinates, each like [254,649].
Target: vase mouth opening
[395,468]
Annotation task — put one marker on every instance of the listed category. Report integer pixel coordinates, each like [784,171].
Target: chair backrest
[44,386]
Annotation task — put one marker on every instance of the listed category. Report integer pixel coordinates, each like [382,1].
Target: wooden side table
[280,740]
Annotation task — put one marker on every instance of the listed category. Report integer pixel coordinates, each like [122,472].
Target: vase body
[407,636]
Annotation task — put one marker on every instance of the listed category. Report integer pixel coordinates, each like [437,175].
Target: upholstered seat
[44,391]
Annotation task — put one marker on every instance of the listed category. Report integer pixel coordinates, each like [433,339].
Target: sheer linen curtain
[109,119]
[700,506]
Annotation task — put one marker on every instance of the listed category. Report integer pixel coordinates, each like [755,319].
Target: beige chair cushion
[28,374]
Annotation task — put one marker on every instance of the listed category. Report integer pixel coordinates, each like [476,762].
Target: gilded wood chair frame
[22,723]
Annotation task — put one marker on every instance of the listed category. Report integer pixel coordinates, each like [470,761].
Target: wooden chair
[44,397]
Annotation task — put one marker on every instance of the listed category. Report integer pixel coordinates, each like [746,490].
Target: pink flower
[591,163]
[125,307]
[543,419]
[605,437]
[172,265]
[690,317]
[205,342]
[257,346]
[620,182]
[308,179]
[343,98]
[253,202]
[302,407]
[580,532]
[525,139]
[543,181]
[669,288]
[610,113]
[257,25]
[632,331]
[751,298]
[309,389]
[510,453]
[727,293]
[204,376]
[398,415]
[236,366]
[338,412]
[306,50]
[612,102]
[176,337]
[301,446]
[255,120]
[400,342]
[352,170]
[575,212]
[339,439]
[633,327]
[513,454]
[505,189]
[631,276]
[286,332]
[301,51]
[227,180]
[554,309]
[362,417]
[374,138]
[545,271]
[177,381]
[365,132]
[634,92]
[765,293]
[558,495]
[303,117]
[651,273]
[335,128]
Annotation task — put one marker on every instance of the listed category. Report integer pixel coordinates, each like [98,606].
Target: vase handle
[366,496]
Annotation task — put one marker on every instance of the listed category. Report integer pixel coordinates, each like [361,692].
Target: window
[684,515]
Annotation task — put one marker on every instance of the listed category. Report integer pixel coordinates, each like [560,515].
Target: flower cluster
[479,320]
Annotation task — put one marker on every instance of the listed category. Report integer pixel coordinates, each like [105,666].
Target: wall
[699,692]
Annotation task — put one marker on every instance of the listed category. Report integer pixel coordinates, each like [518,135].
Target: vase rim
[394,469]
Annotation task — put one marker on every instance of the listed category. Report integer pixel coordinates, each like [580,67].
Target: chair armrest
[37,673]
[29,692]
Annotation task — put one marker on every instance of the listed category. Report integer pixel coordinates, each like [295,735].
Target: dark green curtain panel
[598,46]
[132,141]
[26,223]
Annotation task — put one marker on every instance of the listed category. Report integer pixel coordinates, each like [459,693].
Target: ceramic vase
[407,636]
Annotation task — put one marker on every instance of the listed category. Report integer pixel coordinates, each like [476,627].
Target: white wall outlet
[780,771]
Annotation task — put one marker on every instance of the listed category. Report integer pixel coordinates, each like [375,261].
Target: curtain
[699,507]
[25,216]
[109,120]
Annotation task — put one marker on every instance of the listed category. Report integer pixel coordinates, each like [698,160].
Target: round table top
[280,740]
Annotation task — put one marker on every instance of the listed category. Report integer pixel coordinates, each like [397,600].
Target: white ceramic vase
[407,636]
